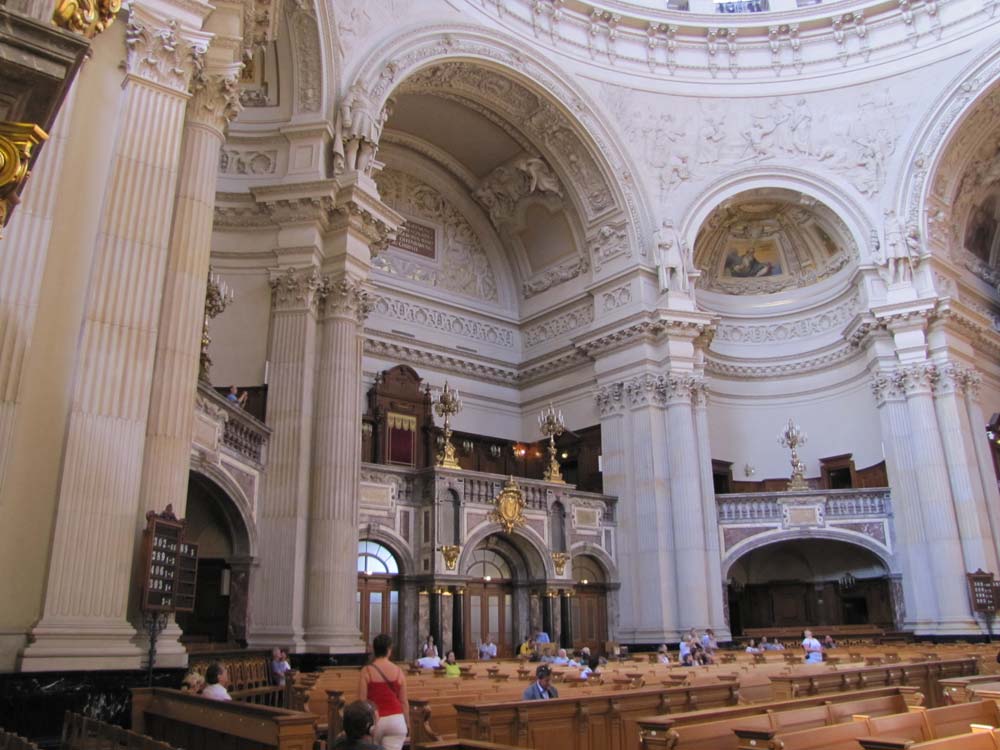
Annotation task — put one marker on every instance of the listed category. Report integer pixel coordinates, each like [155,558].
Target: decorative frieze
[814,325]
[573,319]
[446,322]
[608,243]
[558,274]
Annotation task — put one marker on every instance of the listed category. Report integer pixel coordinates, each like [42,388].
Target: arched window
[587,570]
[487,563]
[375,559]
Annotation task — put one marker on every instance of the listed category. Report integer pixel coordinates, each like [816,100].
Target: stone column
[943,546]
[359,226]
[686,501]
[717,596]
[566,619]
[963,470]
[917,581]
[437,602]
[548,621]
[84,614]
[214,101]
[278,595]
[981,449]
[458,623]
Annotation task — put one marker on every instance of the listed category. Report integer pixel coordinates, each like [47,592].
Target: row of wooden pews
[83,733]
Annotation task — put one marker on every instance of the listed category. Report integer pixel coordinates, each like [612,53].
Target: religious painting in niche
[402,438]
[751,259]
[981,230]
[416,238]
[826,241]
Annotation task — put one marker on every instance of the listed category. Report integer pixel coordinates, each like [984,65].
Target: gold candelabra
[550,422]
[218,297]
[792,437]
[447,404]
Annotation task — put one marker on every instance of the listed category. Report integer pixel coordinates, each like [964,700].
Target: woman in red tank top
[384,684]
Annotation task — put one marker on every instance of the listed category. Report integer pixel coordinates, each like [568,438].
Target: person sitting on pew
[752,647]
[384,684]
[812,648]
[216,680]
[662,654]
[451,668]
[279,665]
[430,650]
[699,655]
[527,648]
[541,689]
[542,637]
[561,659]
[709,643]
[193,682]
[828,641]
[686,659]
[359,720]
[487,649]
[593,667]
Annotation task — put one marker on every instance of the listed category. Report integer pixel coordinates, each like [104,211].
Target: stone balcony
[858,516]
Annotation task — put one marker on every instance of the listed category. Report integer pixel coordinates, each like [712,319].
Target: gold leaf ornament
[86,17]
[509,511]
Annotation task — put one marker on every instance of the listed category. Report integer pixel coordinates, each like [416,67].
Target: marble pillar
[917,581]
[566,619]
[943,546]
[458,623]
[974,527]
[214,101]
[279,594]
[717,596]
[984,461]
[686,502]
[84,621]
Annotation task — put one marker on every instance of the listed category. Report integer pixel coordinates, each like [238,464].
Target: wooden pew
[83,733]
[951,720]
[196,723]
[984,740]
[714,730]
[600,721]
[460,744]
[11,741]
[836,737]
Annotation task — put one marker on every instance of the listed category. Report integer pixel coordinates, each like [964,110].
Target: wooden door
[489,612]
[590,620]
[378,607]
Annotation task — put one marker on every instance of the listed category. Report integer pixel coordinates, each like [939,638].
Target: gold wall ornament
[559,559]
[86,17]
[17,140]
[450,554]
[218,297]
[510,507]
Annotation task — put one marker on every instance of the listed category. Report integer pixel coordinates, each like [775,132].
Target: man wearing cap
[540,689]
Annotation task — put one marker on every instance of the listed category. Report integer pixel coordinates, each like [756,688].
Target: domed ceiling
[767,241]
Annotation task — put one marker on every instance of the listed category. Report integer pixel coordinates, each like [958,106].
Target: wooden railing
[190,721]
[83,733]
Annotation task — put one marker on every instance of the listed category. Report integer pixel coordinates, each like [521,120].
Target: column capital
[161,51]
[646,390]
[955,378]
[346,298]
[610,399]
[887,385]
[680,387]
[919,378]
[296,289]
[215,98]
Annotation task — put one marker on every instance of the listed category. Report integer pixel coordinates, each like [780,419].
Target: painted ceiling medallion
[510,507]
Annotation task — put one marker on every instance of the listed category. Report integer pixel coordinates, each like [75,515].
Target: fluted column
[943,545]
[963,472]
[89,580]
[918,583]
[984,461]
[686,501]
[278,594]
[710,515]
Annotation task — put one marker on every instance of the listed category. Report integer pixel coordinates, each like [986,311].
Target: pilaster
[84,623]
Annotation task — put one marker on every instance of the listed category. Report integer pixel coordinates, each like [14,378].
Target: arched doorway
[807,582]
[216,524]
[378,591]
[489,597]
[590,604]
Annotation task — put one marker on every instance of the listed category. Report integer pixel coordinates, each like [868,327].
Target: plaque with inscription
[416,238]
[982,592]
[171,565]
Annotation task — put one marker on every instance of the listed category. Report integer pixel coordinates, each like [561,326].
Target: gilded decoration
[17,140]
[450,554]
[510,507]
[86,17]
[559,559]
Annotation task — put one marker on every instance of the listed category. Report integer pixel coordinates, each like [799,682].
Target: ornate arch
[238,511]
[916,194]
[836,196]
[525,539]
[883,553]
[562,108]
[598,553]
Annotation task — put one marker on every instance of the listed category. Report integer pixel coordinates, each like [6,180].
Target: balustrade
[766,506]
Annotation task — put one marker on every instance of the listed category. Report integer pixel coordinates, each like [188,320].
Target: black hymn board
[171,565]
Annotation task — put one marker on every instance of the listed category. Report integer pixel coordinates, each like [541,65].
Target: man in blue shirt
[541,689]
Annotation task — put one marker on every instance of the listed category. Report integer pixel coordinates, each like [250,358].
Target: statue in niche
[898,254]
[357,131]
[540,175]
[672,263]
[713,137]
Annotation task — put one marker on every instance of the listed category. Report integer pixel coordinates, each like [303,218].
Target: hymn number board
[982,592]
[171,565]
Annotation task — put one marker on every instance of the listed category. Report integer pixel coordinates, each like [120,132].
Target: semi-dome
[767,241]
